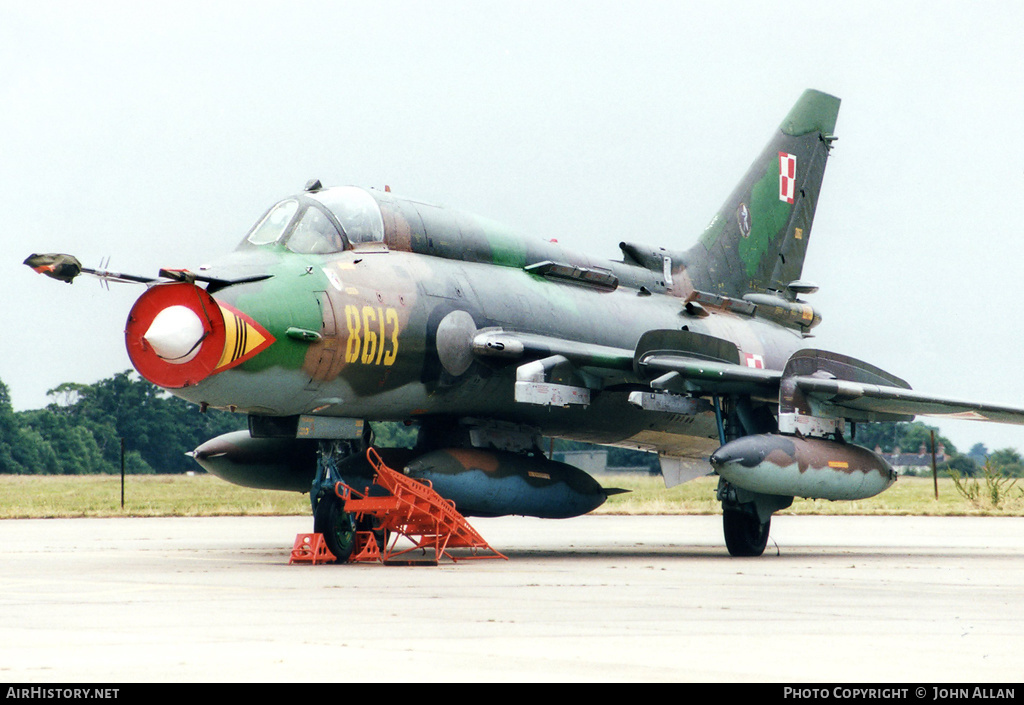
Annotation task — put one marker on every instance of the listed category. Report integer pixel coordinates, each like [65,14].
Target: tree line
[909,437]
[80,431]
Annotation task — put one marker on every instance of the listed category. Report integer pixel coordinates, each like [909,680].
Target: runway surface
[598,598]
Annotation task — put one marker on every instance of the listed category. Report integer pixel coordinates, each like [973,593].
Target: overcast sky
[156,134]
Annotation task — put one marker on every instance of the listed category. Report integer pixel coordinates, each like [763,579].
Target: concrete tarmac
[598,598]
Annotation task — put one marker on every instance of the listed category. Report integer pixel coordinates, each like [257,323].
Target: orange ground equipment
[413,510]
[311,548]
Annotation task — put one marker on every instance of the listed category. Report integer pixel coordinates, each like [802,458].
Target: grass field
[204,495]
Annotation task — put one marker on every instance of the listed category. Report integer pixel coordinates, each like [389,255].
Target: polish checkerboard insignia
[787,177]
[753,360]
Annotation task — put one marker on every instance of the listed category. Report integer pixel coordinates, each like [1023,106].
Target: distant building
[913,462]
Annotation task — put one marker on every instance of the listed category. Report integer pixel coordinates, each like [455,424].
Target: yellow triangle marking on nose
[244,338]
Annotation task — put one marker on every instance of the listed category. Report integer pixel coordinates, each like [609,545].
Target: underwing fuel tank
[793,466]
[489,483]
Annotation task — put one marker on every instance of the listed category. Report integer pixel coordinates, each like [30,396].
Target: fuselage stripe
[239,338]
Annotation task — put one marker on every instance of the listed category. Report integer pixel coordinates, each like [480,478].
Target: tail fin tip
[815,111]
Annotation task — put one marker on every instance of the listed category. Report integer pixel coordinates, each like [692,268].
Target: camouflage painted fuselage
[386,348]
[371,307]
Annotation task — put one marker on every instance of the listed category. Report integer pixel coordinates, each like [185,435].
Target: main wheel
[337,526]
[745,535]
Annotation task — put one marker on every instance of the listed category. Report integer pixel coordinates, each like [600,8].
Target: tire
[337,526]
[745,535]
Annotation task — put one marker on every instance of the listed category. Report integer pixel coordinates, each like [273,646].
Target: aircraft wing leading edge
[667,371]
[861,402]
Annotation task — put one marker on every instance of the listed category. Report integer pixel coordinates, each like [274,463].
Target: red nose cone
[175,335]
[178,335]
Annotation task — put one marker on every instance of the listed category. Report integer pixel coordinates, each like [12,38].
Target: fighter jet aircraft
[344,306]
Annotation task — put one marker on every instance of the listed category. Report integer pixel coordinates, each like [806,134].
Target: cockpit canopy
[320,222]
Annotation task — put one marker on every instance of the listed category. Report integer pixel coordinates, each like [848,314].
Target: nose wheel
[337,526]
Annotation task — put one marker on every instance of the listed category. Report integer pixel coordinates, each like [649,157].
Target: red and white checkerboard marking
[787,177]
[753,360]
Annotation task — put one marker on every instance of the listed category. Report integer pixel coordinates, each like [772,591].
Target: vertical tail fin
[757,241]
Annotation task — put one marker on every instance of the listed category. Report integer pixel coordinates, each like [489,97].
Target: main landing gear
[747,518]
[746,515]
[745,534]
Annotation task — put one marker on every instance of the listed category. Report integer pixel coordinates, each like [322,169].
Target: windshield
[301,225]
[273,224]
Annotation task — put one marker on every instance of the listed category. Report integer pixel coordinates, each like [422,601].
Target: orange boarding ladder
[413,510]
